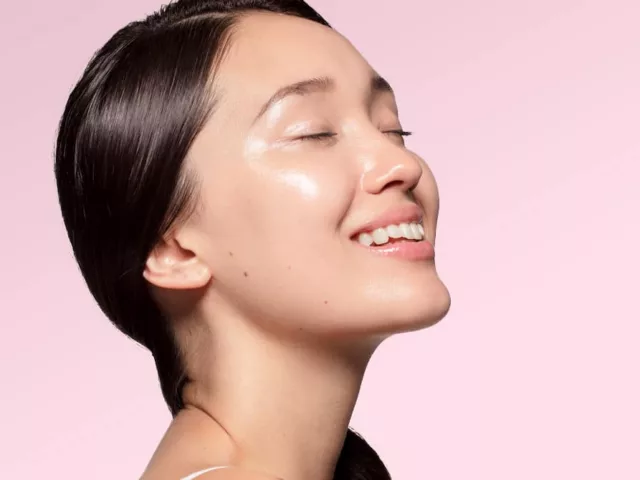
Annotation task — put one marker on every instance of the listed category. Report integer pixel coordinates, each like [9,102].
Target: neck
[285,404]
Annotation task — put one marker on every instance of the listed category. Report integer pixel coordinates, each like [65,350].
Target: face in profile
[295,196]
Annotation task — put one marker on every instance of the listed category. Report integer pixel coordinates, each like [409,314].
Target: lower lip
[405,249]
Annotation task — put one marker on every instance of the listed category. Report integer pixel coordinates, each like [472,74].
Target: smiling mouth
[391,234]
[405,241]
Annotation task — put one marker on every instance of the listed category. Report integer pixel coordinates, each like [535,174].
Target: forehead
[270,50]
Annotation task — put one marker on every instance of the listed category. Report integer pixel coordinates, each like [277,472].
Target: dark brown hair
[122,141]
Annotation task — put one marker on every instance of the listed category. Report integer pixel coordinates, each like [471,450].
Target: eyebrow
[377,85]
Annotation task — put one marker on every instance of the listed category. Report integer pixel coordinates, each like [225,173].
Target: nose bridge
[385,163]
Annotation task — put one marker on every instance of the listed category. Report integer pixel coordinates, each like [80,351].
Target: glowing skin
[272,299]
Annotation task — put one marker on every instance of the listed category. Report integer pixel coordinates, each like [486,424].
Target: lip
[404,249]
[406,213]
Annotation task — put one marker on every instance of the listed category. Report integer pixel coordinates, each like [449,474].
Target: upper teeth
[380,236]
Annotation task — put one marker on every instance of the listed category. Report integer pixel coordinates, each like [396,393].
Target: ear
[171,266]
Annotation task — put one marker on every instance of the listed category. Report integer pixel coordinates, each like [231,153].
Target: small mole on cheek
[231,254]
[289,267]
[325,302]
[246,274]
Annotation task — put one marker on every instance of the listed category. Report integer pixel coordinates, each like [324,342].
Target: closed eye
[318,136]
[328,135]
[402,133]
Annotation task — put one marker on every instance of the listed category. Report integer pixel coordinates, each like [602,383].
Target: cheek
[257,207]
[298,193]
[267,237]
[299,185]
[431,188]
[427,195]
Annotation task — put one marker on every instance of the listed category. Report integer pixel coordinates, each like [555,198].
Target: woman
[235,184]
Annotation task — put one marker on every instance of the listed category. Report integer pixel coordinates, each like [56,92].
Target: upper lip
[406,213]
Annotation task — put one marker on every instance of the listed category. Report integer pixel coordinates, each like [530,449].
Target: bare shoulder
[236,474]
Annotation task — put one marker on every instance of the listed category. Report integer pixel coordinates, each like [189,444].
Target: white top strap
[202,472]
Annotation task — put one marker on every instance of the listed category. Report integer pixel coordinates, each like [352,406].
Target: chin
[416,310]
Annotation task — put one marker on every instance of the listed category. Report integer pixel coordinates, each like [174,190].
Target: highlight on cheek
[255,147]
[301,182]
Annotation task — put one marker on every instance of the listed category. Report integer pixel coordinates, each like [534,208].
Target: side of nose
[390,165]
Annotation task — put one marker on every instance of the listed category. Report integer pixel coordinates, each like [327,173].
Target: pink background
[529,114]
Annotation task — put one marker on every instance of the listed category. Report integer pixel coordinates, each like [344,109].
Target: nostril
[395,183]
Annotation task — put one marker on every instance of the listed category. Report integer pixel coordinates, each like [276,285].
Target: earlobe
[170,266]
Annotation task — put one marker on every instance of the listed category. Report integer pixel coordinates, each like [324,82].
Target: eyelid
[325,135]
[298,129]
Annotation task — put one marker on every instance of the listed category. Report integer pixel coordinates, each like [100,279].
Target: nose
[390,165]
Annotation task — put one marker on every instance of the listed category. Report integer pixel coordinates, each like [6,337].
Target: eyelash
[328,135]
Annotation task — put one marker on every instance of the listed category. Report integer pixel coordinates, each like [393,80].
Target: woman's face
[278,211]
